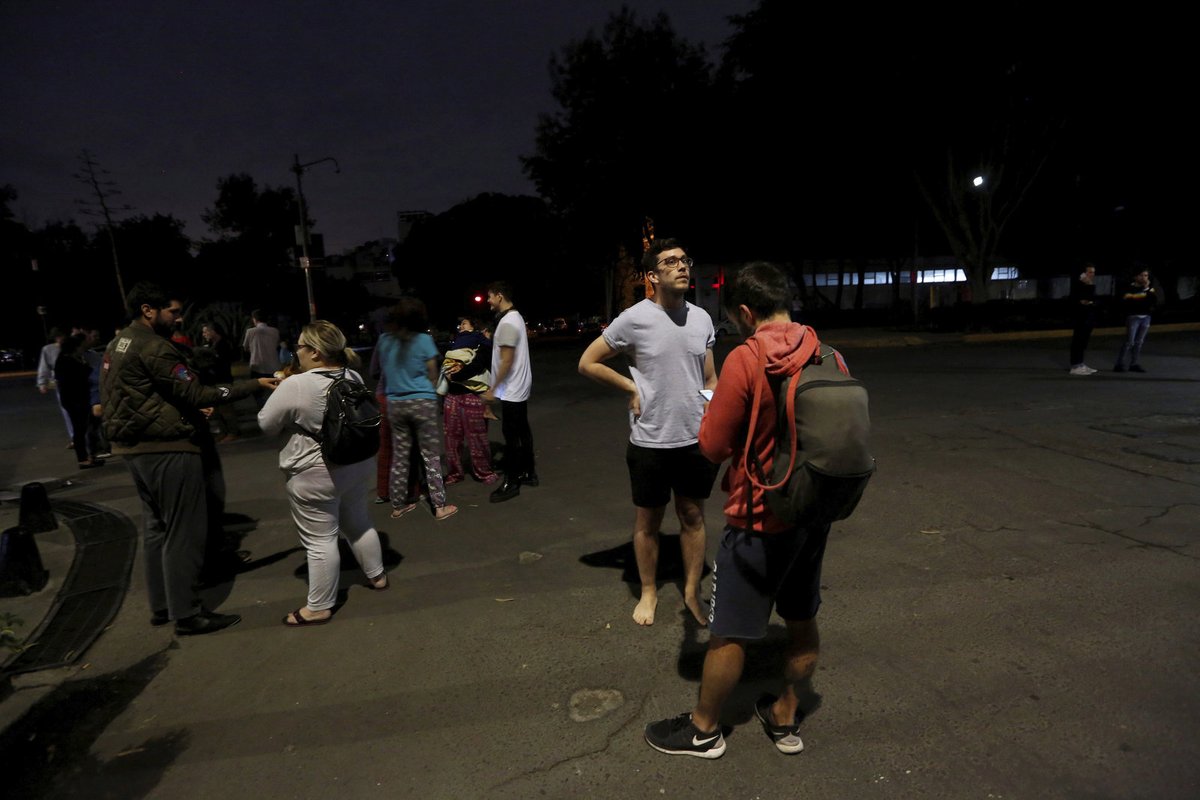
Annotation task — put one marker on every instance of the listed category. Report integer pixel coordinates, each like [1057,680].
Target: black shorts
[753,571]
[654,473]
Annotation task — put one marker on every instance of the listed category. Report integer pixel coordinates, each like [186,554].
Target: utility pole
[305,260]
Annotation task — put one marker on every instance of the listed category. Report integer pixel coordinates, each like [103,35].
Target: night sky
[424,104]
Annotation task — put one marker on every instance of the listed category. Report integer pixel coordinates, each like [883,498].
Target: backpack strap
[332,380]
[753,465]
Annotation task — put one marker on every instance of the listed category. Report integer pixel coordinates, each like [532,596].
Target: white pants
[327,502]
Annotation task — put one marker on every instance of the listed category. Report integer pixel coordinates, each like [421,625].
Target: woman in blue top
[409,361]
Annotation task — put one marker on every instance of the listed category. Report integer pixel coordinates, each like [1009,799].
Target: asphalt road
[1011,613]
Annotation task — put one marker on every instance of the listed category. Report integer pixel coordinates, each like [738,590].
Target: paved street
[1011,613]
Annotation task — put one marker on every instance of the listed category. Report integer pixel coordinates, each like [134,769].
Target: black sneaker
[1136,368]
[528,479]
[1119,368]
[205,622]
[785,737]
[679,737]
[160,617]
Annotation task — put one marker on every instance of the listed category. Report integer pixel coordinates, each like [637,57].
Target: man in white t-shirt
[668,342]
[512,381]
[261,343]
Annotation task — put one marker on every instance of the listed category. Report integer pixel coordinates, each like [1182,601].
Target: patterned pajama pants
[419,417]
[464,418]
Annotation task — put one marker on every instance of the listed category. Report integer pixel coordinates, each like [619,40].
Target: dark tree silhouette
[628,138]
[252,258]
[449,258]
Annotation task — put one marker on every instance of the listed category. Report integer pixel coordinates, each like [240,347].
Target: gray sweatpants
[174,527]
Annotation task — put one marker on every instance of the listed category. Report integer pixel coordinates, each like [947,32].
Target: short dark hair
[504,288]
[258,314]
[71,344]
[760,286]
[145,293]
[656,248]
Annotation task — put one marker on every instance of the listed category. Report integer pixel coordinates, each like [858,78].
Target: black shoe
[160,618]
[1119,368]
[785,737]
[679,737]
[1132,368]
[507,491]
[528,479]
[205,622]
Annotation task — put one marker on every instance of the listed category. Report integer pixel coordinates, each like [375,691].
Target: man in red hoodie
[761,562]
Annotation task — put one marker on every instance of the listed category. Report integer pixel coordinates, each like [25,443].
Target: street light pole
[305,260]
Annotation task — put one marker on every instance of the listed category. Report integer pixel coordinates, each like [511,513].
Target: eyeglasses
[671,262]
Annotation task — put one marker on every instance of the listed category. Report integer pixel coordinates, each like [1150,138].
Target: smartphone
[706,394]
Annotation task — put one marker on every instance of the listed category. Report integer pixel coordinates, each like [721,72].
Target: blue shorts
[753,572]
[655,473]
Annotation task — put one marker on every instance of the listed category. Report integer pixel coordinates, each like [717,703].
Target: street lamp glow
[978,181]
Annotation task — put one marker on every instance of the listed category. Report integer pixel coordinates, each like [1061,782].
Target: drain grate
[91,594]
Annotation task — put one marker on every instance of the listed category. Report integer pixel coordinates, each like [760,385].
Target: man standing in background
[45,377]
[261,343]
[512,381]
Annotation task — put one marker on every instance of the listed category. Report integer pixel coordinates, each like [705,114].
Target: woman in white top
[326,500]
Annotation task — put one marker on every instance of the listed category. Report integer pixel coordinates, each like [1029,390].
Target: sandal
[397,513]
[296,620]
[445,512]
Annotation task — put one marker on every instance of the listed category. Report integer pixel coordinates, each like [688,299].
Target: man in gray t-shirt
[261,342]
[668,342]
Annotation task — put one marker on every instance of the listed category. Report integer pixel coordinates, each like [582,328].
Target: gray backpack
[822,462]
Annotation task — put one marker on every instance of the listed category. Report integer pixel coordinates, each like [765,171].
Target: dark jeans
[79,429]
[1079,342]
[518,439]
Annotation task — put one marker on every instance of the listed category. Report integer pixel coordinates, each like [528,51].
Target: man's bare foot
[697,608]
[643,614]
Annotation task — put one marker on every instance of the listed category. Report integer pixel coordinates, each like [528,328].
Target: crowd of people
[163,402]
[158,396]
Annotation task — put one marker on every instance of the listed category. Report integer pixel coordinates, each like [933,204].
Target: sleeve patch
[180,373]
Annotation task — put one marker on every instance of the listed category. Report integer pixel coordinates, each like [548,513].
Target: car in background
[591,327]
[12,359]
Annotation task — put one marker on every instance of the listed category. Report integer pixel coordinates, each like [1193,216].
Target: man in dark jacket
[152,405]
[1138,303]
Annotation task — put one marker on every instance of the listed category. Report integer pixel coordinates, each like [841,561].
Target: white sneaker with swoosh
[677,736]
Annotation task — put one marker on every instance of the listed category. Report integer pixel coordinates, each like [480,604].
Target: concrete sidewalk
[1025,551]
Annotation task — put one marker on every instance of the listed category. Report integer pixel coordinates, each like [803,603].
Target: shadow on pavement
[391,560]
[225,559]
[670,562]
[46,757]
